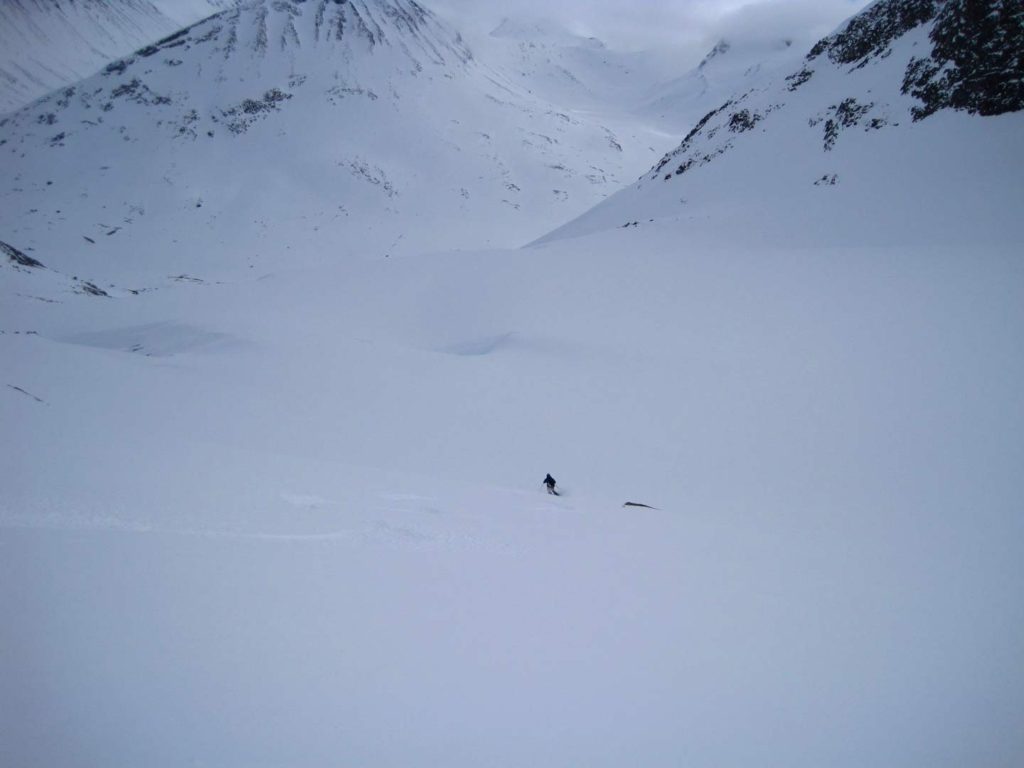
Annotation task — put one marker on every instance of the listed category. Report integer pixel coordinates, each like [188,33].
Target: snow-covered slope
[904,125]
[340,128]
[186,12]
[294,516]
[298,519]
[50,44]
[578,71]
[726,68]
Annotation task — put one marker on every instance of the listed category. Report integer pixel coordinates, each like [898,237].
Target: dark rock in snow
[18,258]
[246,113]
[743,120]
[27,393]
[846,114]
[799,78]
[689,138]
[91,289]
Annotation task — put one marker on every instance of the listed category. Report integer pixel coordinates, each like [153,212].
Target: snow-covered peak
[293,30]
[726,55]
[312,127]
[721,48]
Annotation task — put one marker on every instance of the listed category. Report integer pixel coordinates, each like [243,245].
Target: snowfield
[271,496]
[298,519]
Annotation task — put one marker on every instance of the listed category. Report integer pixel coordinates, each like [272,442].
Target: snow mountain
[375,129]
[50,44]
[894,116]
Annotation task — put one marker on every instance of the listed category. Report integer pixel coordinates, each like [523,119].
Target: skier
[549,481]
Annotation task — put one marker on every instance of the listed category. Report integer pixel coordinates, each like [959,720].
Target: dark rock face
[689,139]
[873,31]
[970,58]
[977,59]
[977,62]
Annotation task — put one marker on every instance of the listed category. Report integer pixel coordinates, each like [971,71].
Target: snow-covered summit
[909,115]
[320,127]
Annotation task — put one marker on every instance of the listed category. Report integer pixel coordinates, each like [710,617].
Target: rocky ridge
[975,64]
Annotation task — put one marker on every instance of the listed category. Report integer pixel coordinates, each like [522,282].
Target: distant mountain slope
[48,44]
[320,127]
[726,68]
[575,70]
[907,119]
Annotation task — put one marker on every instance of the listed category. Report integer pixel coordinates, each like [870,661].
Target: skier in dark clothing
[549,481]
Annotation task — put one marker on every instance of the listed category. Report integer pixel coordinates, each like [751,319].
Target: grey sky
[641,23]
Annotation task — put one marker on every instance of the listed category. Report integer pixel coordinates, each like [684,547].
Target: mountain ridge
[48,45]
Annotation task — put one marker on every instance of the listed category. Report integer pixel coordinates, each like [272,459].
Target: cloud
[646,23]
[802,20]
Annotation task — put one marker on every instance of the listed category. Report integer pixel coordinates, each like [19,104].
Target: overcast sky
[643,23]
